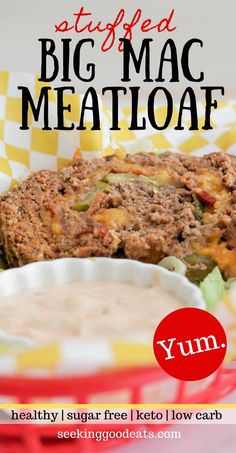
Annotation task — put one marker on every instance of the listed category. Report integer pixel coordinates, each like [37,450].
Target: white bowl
[72,269]
[80,353]
[122,270]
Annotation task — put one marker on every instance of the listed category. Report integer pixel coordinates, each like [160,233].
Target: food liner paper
[22,152]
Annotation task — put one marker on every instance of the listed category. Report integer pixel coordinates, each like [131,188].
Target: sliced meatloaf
[142,207]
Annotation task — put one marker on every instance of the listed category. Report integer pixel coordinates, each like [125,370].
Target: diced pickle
[198,209]
[84,204]
[100,186]
[122,177]
[206,265]
[112,178]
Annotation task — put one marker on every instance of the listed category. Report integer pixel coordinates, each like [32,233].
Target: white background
[22,22]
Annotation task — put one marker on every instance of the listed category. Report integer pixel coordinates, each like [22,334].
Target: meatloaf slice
[38,222]
[143,207]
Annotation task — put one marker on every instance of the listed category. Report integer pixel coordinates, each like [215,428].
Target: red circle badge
[190,344]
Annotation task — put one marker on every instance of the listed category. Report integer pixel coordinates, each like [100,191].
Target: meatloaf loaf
[142,207]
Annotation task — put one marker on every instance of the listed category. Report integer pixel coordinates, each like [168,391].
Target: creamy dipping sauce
[86,309]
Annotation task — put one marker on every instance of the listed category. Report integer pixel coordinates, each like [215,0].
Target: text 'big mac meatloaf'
[143,207]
